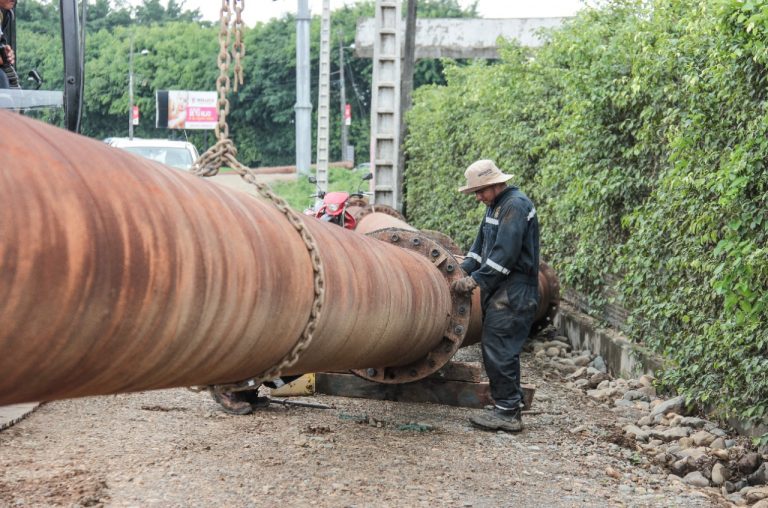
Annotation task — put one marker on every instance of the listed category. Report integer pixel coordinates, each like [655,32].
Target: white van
[177,154]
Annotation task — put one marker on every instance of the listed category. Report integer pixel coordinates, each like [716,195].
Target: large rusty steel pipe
[118,274]
[371,218]
[374,218]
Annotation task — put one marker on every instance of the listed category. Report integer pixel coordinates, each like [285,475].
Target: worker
[504,263]
[8,77]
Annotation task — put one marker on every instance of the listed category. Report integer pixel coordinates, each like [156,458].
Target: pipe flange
[444,240]
[458,321]
[385,209]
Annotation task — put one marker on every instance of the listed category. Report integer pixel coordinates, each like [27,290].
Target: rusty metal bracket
[457,322]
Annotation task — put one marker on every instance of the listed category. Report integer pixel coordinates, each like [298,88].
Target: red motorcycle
[333,208]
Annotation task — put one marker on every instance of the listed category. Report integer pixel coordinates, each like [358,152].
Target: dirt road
[176,448]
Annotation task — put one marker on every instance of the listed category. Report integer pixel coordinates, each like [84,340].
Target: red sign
[135,115]
[347,114]
[203,114]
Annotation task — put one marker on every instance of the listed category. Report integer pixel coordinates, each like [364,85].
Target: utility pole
[323,96]
[385,104]
[406,85]
[379,38]
[303,107]
[343,98]
[131,77]
[130,92]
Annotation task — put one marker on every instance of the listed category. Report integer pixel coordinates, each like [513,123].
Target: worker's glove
[464,286]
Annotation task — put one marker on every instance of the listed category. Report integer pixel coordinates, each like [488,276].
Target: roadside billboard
[184,109]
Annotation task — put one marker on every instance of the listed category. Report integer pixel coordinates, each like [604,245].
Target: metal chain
[238,47]
[222,82]
[213,159]
[224,153]
[318,279]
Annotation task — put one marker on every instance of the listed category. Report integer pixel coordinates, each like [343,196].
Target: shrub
[640,131]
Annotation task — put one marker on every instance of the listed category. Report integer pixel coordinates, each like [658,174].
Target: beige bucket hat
[482,174]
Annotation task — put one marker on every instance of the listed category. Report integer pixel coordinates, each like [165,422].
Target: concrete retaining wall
[623,358]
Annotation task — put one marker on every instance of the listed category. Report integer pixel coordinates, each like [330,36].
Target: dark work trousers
[507,318]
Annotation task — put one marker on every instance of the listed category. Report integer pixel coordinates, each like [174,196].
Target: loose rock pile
[666,432]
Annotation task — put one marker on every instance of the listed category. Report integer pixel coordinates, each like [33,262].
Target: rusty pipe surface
[376,217]
[119,274]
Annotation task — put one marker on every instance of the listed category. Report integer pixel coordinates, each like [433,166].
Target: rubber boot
[508,420]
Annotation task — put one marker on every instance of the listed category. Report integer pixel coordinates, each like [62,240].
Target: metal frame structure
[323,97]
[73,46]
[385,105]
[73,49]
[384,38]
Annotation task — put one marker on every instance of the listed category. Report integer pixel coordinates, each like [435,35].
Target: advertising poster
[192,110]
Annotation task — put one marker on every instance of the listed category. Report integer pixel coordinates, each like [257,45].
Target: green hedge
[641,132]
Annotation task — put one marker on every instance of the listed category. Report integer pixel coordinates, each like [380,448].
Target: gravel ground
[176,448]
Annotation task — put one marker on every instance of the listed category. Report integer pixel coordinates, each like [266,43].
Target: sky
[264,10]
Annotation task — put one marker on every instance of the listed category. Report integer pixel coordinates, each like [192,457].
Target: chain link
[238,47]
[224,153]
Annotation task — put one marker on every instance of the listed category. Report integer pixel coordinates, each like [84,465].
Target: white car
[177,154]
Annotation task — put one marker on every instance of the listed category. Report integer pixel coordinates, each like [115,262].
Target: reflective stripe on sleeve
[491,220]
[475,257]
[532,214]
[497,266]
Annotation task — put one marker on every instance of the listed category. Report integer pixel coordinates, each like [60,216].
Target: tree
[101,16]
[641,132]
[182,56]
[152,12]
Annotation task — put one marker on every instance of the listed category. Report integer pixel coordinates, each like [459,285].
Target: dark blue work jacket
[506,248]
